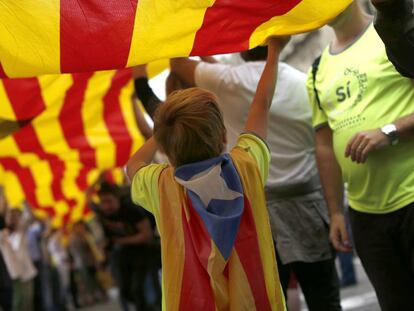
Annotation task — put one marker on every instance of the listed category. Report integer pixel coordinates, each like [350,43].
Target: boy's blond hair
[189,126]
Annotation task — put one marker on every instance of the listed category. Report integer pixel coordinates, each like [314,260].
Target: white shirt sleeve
[210,76]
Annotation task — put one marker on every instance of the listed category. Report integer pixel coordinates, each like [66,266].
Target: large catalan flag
[67,128]
[59,36]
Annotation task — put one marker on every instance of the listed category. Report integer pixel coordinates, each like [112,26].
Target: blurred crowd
[43,267]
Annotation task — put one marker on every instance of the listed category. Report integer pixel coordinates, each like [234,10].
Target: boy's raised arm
[257,118]
[143,156]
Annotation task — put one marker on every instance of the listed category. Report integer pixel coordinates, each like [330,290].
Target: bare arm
[184,68]
[143,235]
[141,157]
[331,178]
[405,126]
[258,114]
[208,59]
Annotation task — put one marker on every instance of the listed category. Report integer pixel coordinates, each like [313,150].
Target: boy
[217,248]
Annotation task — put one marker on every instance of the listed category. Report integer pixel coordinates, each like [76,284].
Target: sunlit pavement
[360,297]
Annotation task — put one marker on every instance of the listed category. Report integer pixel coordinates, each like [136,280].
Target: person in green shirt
[363,115]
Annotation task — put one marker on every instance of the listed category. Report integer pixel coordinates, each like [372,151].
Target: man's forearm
[331,177]
[184,68]
[405,126]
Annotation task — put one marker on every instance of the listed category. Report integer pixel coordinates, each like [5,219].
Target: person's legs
[378,242]
[137,272]
[284,274]
[320,284]
[27,291]
[17,295]
[114,262]
[37,287]
[6,299]
[74,289]
[407,238]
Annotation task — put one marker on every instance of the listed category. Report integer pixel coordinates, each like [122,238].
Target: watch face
[389,128]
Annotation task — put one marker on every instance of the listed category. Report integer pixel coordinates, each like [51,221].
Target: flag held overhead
[62,36]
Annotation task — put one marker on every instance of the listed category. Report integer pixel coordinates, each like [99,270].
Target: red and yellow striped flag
[60,36]
[72,127]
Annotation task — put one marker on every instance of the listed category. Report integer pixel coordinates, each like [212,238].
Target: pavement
[360,297]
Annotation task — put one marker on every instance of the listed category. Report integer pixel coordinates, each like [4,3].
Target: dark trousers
[37,287]
[318,280]
[6,299]
[385,244]
[132,272]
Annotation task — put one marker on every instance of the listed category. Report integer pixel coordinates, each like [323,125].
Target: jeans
[385,245]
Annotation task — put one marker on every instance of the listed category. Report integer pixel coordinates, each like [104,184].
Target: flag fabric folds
[61,36]
[215,229]
[67,129]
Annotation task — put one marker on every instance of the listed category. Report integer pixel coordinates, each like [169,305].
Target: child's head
[189,127]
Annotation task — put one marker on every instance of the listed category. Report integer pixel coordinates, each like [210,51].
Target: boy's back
[217,248]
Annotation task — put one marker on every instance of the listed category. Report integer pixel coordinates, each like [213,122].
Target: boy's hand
[276,44]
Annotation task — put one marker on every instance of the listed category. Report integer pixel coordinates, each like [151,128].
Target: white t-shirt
[290,132]
[16,256]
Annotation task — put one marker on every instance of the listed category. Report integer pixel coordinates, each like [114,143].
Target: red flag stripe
[95,34]
[25,96]
[196,252]
[248,249]
[235,36]
[28,142]
[73,129]
[2,72]
[114,119]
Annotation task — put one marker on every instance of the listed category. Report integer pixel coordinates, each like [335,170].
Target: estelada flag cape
[217,247]
[61,36]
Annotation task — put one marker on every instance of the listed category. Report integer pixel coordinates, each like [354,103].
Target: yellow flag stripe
[306,16]
[29,32]
[165,29]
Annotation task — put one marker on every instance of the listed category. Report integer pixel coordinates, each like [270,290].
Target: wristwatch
[391,131]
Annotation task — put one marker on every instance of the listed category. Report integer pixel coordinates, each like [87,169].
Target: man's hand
[339,234]
[139,71]
[359,147]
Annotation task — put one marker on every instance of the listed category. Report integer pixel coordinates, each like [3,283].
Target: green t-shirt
[359,89]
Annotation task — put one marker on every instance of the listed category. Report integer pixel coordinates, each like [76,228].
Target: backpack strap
[315,67]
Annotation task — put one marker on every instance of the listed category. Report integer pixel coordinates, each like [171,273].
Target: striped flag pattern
[62,36]
[70,127]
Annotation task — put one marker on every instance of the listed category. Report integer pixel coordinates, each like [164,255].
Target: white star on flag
[209,185]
